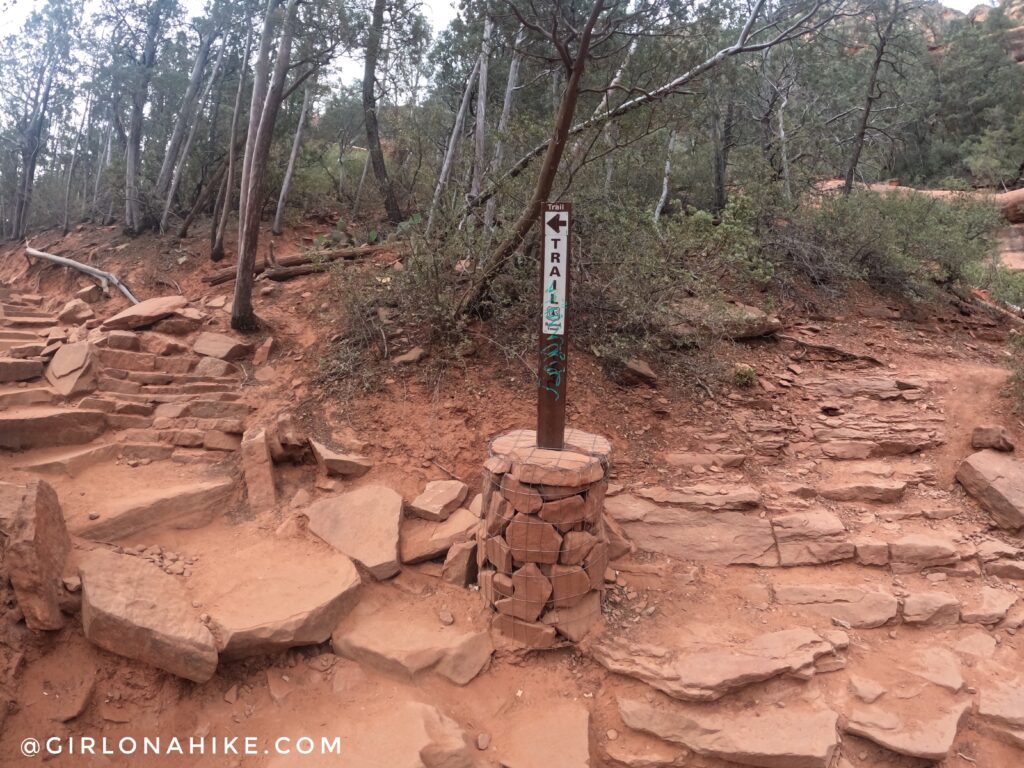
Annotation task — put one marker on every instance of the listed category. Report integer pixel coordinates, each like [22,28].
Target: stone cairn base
[542,550]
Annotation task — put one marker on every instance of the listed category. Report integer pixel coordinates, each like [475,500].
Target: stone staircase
[82,404]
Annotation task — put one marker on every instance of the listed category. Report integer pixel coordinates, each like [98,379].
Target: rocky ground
[821,569]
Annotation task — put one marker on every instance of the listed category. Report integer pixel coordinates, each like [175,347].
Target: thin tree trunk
[186,116]
[217,251]
[506,113]
[665,178]
[380,170]
[453,142]
[179,167]
[140,94]
[242,315]
[480,137]
[787,185]
[548,169]
[74,162]
[260,82]
[31,149]
[287,181]
[362,181]
[869,99]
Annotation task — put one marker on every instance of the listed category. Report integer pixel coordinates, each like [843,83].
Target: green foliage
[900,243]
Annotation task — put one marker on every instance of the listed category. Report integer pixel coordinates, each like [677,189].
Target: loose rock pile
[542,549]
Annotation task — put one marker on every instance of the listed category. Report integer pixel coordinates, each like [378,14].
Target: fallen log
[104,278]
[844,354]
[316,259]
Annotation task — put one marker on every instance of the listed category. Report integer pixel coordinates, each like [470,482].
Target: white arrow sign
[556,268]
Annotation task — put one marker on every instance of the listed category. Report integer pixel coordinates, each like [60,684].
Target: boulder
[878,490]
[810,538]
[145,313]
[211,366]
[404,641]
[332,462]
[91,293]
[997,482]
[14,369]
[928,733]
[220,346]
[37,546]
[43,427]
[637,371]
[296,596]
[710,671]
[124,340]
[918,551]
[689,319]
[132,608]
[854,606]
[689,460]
[711,497]
[990,608]
[936,608]
[424,540]
[769,737]
[460,564]
[439,499]
[994,437]
[939,666]
[258,470]
[404,734]
[72,370]
[532,735]
[75,312]
[362,524]
[690,534]
[1001,701]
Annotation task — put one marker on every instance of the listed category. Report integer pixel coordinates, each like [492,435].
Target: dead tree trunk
[79,138]
[449,155]
[380,170]
[882,35]
[260,81]
[506,113]
[31,147]
[217,251]
[665,178]
[287,181]
[242,315]
[179,167]
[133,219]
[186,116]
[480,133]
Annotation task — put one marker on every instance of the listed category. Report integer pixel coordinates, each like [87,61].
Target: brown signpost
[553,367]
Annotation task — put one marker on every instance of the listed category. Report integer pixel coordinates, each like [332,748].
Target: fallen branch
[843,353]
[104,278]
[316,260]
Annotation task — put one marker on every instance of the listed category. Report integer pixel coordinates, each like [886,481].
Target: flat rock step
[273,594]
[135,397]
[39,321]
[70,462]
[12,396]
[21,310]
[28,427]
[186,505]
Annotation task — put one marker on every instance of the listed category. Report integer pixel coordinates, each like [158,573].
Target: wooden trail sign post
[553,367]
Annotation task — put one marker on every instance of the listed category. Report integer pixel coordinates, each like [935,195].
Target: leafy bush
[899,243]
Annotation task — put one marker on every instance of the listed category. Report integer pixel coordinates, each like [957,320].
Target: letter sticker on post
[556,227]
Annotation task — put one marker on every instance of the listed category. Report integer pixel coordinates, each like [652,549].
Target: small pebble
[612,734]
[483,741]
[446,618]
[94,515]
